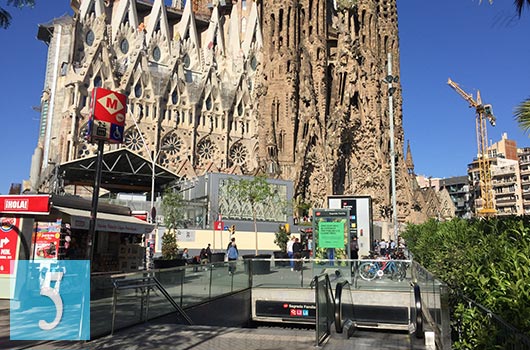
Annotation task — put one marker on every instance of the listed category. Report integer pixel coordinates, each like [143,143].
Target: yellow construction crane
[483,113]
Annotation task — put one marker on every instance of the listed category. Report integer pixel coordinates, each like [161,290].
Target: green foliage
[281,237]
[255,191]
[170,247]
[522,115]
[487,260]
[173,208]
[5,16]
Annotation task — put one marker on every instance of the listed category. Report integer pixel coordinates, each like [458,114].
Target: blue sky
[480,46]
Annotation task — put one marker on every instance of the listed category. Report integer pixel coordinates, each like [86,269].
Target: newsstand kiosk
[51,228]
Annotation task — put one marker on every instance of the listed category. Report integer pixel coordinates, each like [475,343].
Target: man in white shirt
[290,251]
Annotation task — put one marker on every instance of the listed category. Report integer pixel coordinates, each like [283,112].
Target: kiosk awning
[80,219]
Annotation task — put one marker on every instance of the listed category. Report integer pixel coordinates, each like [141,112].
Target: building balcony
[500,183]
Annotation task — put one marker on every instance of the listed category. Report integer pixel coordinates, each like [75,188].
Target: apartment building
[459,191]
[524,168]
[506,184]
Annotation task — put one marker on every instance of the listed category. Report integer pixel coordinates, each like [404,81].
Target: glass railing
[185,285]
[363,274]
[434,299]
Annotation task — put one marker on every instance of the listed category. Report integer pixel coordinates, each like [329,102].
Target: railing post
[210,286]
[445,317]
[114,302]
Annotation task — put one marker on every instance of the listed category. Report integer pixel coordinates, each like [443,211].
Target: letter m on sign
[108,106]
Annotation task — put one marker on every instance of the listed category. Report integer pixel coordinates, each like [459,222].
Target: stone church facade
[289,88]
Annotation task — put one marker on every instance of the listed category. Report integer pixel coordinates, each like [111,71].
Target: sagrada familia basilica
[293,89]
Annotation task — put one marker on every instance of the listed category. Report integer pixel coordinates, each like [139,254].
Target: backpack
[232,253]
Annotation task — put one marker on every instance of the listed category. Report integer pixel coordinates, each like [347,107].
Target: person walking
[209,253]
[297,254]
[290,252]
[232,253]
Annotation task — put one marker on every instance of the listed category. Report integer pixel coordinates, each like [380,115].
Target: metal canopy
[122,171]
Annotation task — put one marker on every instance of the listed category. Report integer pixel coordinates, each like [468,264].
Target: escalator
[346,332]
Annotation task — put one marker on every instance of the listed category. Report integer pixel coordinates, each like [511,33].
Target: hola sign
[107,116]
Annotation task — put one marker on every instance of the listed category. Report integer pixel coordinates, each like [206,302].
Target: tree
[170,246]
[522,115]
[519,4]
[172,206]
[281,237]
[5,17]
[256,191]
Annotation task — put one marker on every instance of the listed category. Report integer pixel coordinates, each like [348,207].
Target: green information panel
[331,234]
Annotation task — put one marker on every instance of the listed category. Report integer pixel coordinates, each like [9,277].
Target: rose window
[133,140]
[238,154]
[206,149]
[172,145]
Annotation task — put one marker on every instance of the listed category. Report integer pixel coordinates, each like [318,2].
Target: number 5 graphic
[52,293]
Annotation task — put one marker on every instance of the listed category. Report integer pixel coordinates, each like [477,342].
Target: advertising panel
[15,204]
[331,242]
[360,218]
[47,238]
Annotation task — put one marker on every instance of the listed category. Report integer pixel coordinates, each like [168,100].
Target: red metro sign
[107,116]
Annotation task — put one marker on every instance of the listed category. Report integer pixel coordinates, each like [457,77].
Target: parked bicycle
[369,270]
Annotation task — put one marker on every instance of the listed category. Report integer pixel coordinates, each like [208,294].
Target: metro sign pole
[106,124]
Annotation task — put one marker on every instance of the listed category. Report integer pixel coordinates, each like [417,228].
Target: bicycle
[371,269]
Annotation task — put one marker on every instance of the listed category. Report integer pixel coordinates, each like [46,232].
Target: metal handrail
[330,303]
[145,284]
[419,311]
[340,322]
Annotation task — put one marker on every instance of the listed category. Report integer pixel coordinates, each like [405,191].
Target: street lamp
[389,79]
[154,158]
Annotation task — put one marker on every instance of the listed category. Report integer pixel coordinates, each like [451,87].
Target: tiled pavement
[178,337]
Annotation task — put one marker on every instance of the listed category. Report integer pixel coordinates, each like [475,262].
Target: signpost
[107,117]
[106,124]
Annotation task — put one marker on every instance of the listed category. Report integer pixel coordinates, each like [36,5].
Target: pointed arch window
[157,54]
[138,90]
[124,46]
[208,103]
[97,81]
[89,38]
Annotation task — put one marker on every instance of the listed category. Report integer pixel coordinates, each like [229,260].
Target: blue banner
[52,301]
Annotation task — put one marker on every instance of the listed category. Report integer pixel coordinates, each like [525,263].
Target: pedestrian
[232,253]
[354,249]
[290,252]
[203,257]
[209,253]
[297,254]
[186,256]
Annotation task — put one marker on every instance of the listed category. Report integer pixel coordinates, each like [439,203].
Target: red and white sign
[218,225]
[8,244]
[107,115]
[109,106]
[14,204]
